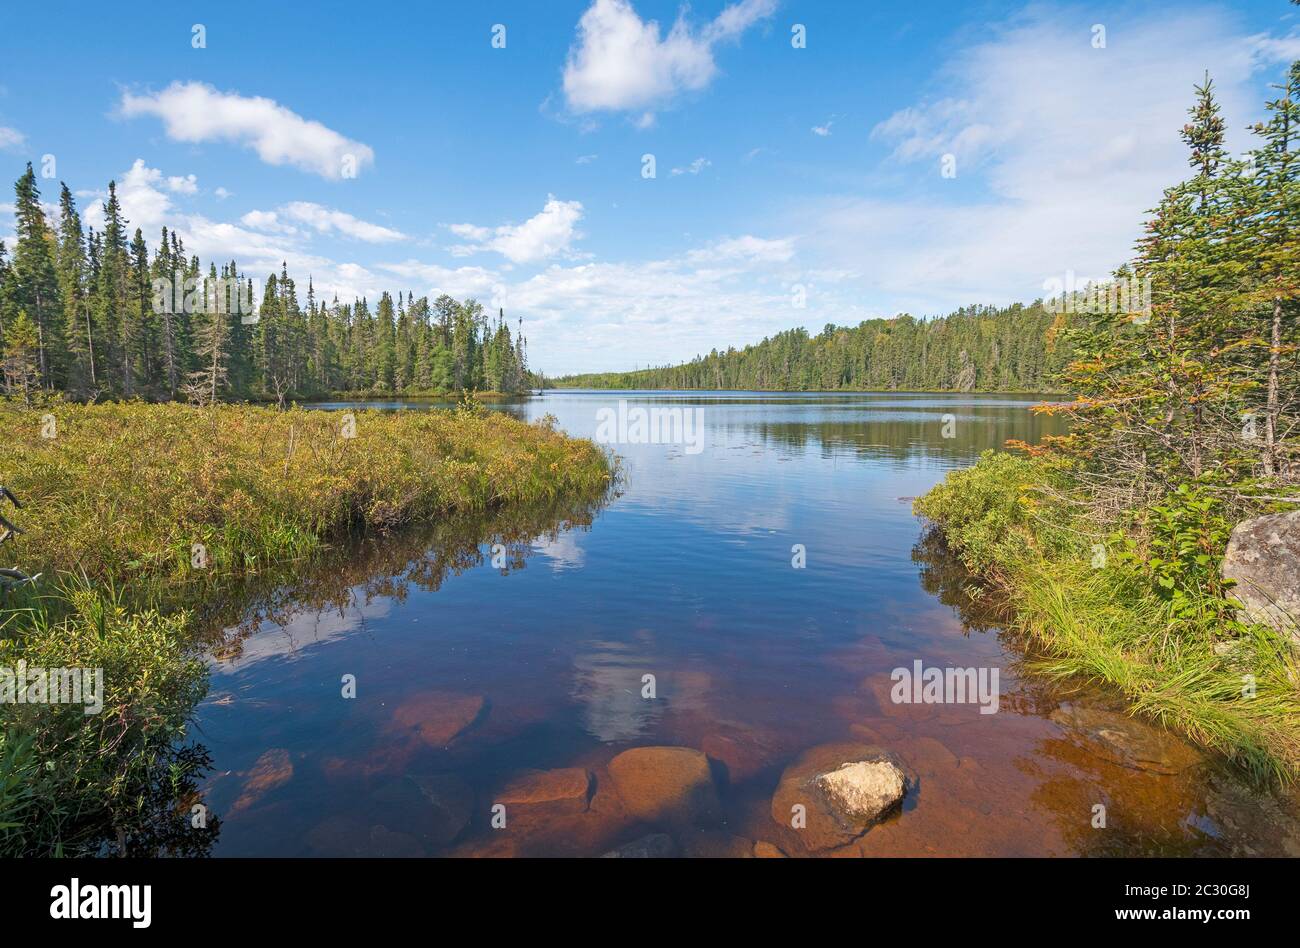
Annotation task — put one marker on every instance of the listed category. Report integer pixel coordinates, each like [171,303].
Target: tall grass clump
[129,490]
[1136,604]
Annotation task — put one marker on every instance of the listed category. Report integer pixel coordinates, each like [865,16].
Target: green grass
[116,504]
[1183,661]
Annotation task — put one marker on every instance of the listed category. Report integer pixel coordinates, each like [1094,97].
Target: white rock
[863,789]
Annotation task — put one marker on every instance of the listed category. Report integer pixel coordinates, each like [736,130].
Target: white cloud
[822,130]
[1060,150]
[327,220]
[695,167]
[268,221]
[140,192]
[587,159]
[748,247]
[222,193]
[620,62]
[197,112]
[549,232]
[459,282]
[11,138]
[188,184]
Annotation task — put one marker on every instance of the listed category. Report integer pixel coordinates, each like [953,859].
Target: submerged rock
[765,850]
[436,717]
[1127,741]
[654,846]
[841,790]
[566,789]
[665,784]
[273,769]
[1263,557]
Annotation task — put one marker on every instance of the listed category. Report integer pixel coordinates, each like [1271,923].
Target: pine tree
[112,295]
[36,279]
[1273,233]
[21,363]
[73,273]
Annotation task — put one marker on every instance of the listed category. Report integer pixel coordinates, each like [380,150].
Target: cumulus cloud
[197,112]
[822,130]
[620,62]
[188,184]
[142,193]
[546,234]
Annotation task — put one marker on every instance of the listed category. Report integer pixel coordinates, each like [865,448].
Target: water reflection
[478,682]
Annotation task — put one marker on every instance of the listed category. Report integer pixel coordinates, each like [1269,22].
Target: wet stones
[834,793]
[671,785]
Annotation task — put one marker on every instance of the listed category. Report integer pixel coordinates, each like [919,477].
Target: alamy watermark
[30,685]
[1124,296]
[184,294]
[921,685]
[654,425]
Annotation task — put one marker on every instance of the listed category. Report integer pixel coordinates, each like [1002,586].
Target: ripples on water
[469,676]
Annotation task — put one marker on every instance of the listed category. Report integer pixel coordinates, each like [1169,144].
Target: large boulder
[665,784]
[1264,558]
[842,789]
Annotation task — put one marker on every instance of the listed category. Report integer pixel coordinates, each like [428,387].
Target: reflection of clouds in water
[301,632]
[563,552]
[607,681]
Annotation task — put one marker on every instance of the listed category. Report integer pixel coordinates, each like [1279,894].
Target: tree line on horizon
[94,315]
[1015,348]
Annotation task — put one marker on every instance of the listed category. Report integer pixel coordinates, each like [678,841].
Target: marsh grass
[114,506]
[1229,686]
[127,490]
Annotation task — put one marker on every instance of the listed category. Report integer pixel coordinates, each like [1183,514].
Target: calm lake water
[470,675]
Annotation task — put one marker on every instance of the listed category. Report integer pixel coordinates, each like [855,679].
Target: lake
[747,593]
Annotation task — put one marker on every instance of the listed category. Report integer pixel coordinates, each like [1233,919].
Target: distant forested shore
[1015,348]
[98,315]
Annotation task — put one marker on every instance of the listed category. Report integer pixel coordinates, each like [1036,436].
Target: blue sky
[793,186]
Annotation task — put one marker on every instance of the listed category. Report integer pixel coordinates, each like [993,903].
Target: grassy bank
[132,510]
[1134,604]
